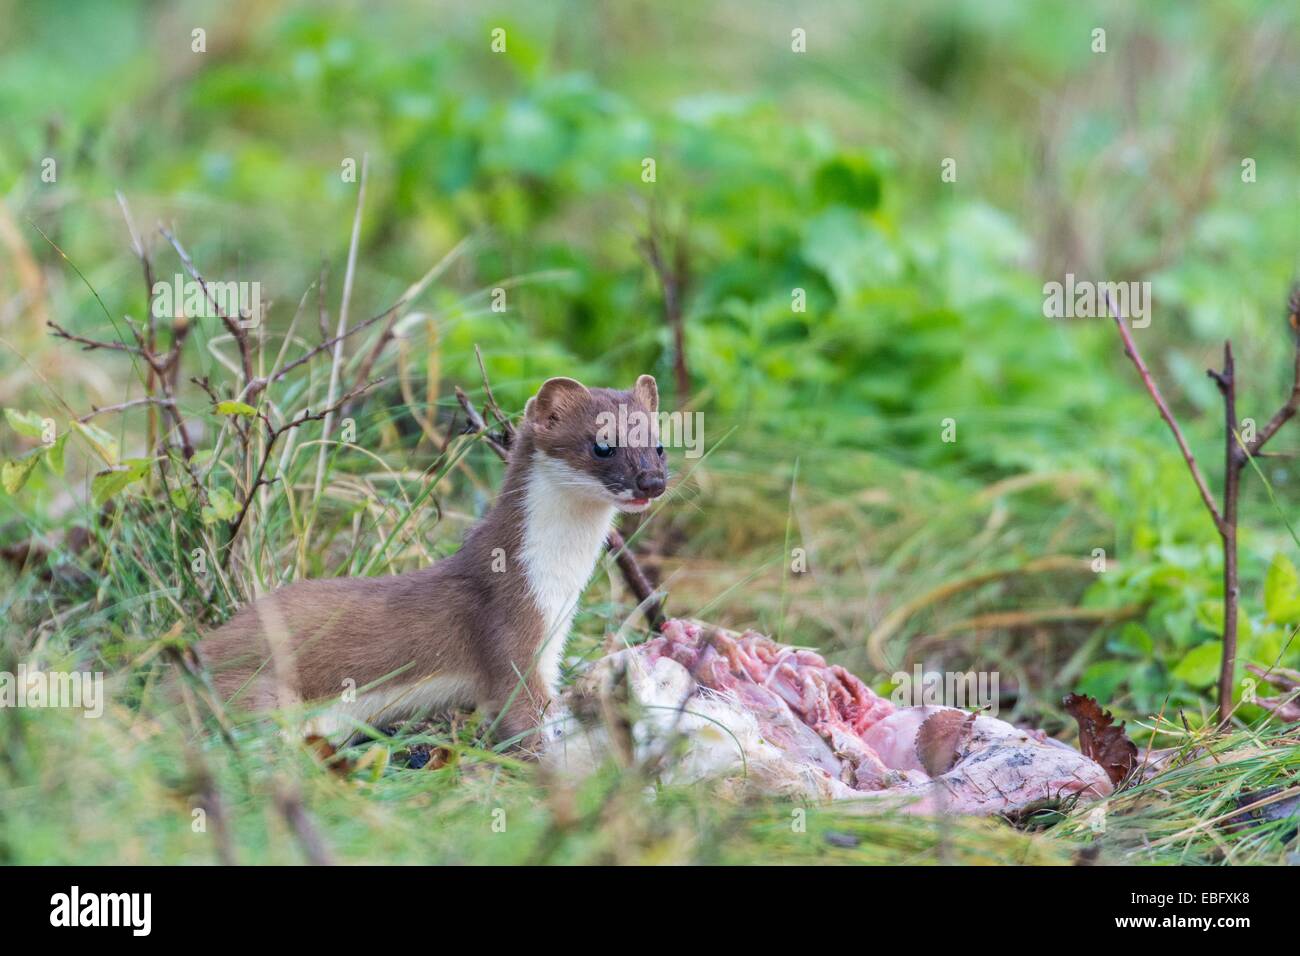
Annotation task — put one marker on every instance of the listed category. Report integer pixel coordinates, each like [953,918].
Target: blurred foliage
[843,303]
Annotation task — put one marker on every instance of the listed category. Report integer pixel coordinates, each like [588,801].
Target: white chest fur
[565,524]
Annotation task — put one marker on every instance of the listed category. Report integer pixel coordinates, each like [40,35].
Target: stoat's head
[600,443]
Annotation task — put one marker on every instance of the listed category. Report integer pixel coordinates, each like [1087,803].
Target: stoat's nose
[650,484]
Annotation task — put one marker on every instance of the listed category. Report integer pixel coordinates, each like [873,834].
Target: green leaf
[111,482]
[1265,647]
[27,424]
[1209,615]
[235,408]
[105,445]
[106,484]
[1200,667]
[847,181]
[1102,679]
[1282,590]
[54,454]
[221,506]
[14,474]
[852,253]
[1134,640]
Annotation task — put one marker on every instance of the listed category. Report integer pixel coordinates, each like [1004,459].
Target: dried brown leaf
[1100,739]
[327,755]
[1286,709]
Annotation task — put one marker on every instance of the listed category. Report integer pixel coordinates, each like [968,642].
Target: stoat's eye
[659,450]
[602,450]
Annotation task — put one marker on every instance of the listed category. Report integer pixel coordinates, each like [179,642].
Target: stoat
[485,627]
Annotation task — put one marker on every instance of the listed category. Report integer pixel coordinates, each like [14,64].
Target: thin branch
[204,384]
[398,308]
[636,579]
[273,435]
[289,802]
[137,245]
[236,331]
[477,426]
[322,310]
[260,384]
[123,406]
[159,366]
[674,280]
[1234,459]
[1287,411]
[91,344]
[318,349]
[1236,455]
[1131,350]
[1283,415]
[204,790]
[503,420]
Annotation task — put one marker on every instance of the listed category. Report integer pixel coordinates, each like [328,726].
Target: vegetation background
[775,171]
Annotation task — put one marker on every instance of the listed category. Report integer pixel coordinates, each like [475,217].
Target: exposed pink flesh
[827,720]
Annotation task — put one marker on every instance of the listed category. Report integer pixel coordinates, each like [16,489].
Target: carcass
[705,703]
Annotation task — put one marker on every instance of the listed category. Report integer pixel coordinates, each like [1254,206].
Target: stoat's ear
[646,391]
[552,399]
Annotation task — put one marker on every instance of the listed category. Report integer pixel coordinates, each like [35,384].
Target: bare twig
[1287,411]
[636,579]
[1236,455]
[150,338]
[89,345]
[477,426]
[507,429]
[258,385]
[673,274]
[289,802]
[1283,678]
[1234,459]
[272,436]
[237,331]
[322,311]
[318,349]
[203,789]
[204,384]
[398,308]
[123,406]
[1131,350]
[161,366]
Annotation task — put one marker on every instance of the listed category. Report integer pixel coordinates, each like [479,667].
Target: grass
[390,504]
[148,777]
[512,173]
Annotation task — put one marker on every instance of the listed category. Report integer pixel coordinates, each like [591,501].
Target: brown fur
[454,619]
